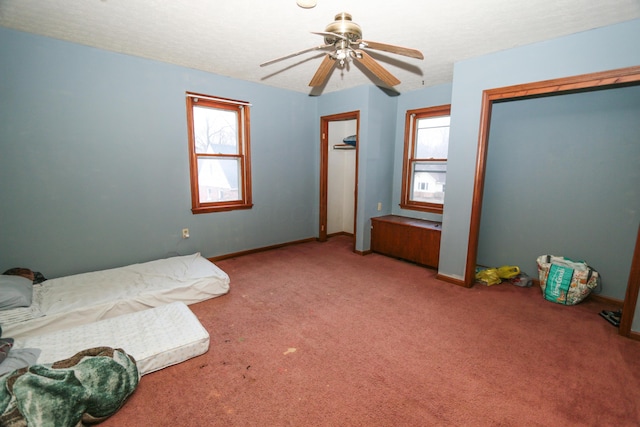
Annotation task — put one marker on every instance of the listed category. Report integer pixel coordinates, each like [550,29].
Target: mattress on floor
[88,297]
[156,338]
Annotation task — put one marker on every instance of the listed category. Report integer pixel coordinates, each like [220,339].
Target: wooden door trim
[631,296]
[601,80]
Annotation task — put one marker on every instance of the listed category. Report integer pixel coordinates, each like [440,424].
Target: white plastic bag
[564,281]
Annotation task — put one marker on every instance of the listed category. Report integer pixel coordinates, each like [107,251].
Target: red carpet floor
[315,335]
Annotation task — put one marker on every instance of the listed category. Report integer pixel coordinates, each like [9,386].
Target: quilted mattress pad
[157,337]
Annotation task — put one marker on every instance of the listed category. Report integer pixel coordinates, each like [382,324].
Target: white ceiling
[233,37]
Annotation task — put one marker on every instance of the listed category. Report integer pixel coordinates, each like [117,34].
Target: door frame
[629,76]
[631,296]
[324,170]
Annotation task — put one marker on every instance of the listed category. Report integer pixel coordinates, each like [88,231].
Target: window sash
[219,179]
[216,130]
[428,180]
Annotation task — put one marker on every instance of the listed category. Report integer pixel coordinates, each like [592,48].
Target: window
[424,172]
[219,153]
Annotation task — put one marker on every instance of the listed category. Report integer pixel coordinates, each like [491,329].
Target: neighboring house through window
[426,147]
[219,153]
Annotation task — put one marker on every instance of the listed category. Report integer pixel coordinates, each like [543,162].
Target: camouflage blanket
[85,389]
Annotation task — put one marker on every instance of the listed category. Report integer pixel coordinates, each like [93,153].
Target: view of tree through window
[219,145]
[216,132]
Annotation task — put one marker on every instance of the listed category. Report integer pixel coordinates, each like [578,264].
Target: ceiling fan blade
[413,53]
[326,34]
[324,46]
[323,71]
[372,65]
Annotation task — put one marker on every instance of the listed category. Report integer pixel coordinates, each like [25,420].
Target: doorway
[338,174]
[611,79]
[607,79]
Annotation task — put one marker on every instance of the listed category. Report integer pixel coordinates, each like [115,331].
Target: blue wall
[375,180]
[94,168]
[563,178]
[592,51]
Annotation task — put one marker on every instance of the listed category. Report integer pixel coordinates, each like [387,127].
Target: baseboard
[265,248]
[450,279]
[340,233]
[367,252]
[606,300]
[281,245]
[634,335]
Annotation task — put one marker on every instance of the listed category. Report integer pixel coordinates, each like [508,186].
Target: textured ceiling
[232,38]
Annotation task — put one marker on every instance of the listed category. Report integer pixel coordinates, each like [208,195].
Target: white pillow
[15,291]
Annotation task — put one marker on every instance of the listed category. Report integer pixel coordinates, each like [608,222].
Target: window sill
[219,208]
[423,207]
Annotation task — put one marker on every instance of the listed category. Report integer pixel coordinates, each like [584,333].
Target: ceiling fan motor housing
[344,26]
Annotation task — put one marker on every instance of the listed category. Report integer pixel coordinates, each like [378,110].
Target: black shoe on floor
[612,317]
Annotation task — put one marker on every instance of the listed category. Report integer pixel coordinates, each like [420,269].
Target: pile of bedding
[85,389]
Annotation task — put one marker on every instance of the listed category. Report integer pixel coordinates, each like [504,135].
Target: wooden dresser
[414,240]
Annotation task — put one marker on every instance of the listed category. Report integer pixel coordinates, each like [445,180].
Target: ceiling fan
[343,39]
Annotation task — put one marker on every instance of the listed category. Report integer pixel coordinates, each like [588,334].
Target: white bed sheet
[156,338]
[88,297]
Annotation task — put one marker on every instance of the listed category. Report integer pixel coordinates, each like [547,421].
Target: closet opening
[338,175]
[603,80]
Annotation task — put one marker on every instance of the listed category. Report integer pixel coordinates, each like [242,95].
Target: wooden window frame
[243,156]
[411,118]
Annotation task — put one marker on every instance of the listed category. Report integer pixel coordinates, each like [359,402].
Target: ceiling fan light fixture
[306,4]
[342,56]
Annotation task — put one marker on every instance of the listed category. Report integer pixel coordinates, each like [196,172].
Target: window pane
[432,138]
[428,182]
[219,180]
[434,122]
[215,130]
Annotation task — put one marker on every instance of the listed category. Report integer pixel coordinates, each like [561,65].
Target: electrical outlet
[185,233]
[379,206]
